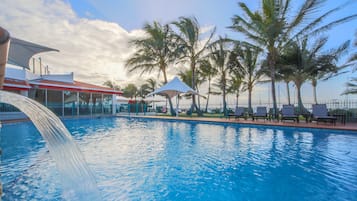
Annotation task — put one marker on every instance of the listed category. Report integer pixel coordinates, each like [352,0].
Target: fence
[347,107]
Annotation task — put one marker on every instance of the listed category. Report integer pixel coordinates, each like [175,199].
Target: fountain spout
[4,50]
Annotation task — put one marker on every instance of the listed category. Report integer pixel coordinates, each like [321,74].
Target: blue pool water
[142,159]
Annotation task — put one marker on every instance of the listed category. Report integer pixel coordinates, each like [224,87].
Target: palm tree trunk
[301,107]
[237,96]
[250,99]
[314,84]
[225,113]
[224,102]
[273,94]
[209,92]
[194,105]
[172,111]
[198,99]
[271,59]
[288,92]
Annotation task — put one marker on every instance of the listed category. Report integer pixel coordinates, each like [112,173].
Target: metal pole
[33,65]
[40,66]
[177,104]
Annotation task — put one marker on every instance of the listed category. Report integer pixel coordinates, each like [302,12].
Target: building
[59,92]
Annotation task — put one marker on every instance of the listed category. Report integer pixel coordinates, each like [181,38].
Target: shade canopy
[173,88]
[21,51]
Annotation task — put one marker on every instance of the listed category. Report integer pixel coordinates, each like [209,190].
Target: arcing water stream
[77,179]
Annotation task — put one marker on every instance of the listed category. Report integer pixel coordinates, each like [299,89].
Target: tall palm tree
[274,26]
[130,91]
[235,85]
[186,77]
[208,72]
[352,84]
[353,58]
[306,62]
[152,84]
[247,60]
[220,56]
[154,53]
[144,90]
[192,48]
[326,66]
[111,84]
[285,75]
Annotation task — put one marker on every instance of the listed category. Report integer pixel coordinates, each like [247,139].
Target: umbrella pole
[177,105]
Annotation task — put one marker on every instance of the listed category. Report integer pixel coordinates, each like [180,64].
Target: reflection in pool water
[142,159]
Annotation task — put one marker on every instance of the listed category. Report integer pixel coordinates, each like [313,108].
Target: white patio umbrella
[174,88]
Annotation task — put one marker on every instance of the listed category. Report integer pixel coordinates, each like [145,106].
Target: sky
[92,36]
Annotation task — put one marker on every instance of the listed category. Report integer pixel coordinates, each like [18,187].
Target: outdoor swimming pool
[143,159]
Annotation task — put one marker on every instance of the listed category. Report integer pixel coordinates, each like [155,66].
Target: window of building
[97,104]
[107,104]
[38,95]
[54,101]
[70,103]
[85,104]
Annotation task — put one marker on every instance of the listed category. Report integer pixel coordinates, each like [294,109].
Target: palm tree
[353,57]
[111,84]
[326,66]
[154,53]
[144,90]
[307,62]
[351,86]
[186,77]
[272,28]
[247,58]
[152,84]
[220,57]
[285,75]
[208,72]
[191,48]
[235,85]
[130,91]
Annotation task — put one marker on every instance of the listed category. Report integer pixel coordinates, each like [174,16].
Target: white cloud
[94,50]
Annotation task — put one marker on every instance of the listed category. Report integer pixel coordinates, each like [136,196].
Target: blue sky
[134,13]
[93,35]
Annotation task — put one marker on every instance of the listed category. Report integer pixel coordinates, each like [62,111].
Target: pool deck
[349,126]
[339,126]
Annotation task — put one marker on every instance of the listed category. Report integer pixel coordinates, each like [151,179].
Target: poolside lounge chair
[261,113]
[320,113]
[288,113]
[238,113]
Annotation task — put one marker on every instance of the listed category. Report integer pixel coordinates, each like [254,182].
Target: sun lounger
[261,113]
[288,113]
[320,113]
[238,113]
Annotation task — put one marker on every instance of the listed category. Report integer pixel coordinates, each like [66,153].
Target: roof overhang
[76,86]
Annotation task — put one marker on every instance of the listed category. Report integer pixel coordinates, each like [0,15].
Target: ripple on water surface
[165,160]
